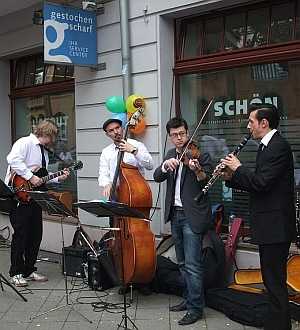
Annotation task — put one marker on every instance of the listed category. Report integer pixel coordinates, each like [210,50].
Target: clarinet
[297,242]
[217,171]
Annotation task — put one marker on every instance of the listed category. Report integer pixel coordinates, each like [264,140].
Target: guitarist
[28,154]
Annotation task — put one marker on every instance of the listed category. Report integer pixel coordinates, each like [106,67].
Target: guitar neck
[52,176]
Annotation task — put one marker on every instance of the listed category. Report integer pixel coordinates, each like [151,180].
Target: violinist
[189,221]
[135,153]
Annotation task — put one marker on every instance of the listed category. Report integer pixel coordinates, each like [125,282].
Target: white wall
[152,55]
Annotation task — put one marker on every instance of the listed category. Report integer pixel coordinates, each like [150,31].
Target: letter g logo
[54,35]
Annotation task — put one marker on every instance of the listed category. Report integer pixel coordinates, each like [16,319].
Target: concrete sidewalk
[147,312]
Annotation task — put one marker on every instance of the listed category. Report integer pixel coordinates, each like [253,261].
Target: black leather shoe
[178,308]
[190,318]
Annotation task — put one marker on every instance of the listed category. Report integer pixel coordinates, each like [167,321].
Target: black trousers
[273,260]
[26,220]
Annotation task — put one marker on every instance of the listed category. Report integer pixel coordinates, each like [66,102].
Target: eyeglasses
[177,135]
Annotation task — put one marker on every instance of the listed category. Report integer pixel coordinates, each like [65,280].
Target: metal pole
[125,47]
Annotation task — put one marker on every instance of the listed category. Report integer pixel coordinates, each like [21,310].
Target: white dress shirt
[24,157]
[177,198]
[266,139]
[108,161]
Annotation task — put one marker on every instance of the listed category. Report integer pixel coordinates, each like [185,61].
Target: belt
[178,208]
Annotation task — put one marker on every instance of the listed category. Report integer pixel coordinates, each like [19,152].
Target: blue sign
[70,35]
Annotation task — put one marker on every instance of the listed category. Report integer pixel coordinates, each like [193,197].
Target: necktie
[259,151]
[43,156]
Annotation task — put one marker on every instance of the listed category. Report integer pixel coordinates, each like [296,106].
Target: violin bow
[196,129]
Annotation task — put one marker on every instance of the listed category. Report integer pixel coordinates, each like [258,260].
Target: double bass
[134,246]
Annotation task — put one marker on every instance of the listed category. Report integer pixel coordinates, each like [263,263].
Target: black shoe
[178,308]
[190,318]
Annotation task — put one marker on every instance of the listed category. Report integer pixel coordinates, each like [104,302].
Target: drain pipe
[125,48]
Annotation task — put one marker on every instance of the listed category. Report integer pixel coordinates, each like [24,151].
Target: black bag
[168,278]
[243,307]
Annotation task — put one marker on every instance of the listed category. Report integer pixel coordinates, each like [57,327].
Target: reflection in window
[225,124]
[213,35]
[273,71]
[29,111]
[234,31]
[257,29]
[282,23]
[30,73]
[248,27]
[39,71]
[192,44]
[31,70]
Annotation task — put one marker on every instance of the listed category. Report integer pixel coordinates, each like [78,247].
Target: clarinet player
[272,209]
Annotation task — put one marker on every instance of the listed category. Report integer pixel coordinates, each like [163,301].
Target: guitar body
[21,186]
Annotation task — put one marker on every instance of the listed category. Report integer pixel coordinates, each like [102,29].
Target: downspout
[125,48]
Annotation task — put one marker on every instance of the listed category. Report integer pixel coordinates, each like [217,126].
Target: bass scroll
[218,170]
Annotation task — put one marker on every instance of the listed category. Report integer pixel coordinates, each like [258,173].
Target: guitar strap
[43,156]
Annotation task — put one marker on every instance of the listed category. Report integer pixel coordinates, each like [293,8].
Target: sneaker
[19,280]
[34,276]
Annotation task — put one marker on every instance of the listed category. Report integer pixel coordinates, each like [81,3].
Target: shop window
[282,23]
[193,44]
[213,35]
[225,124]
[46,91]
[257,28]
[30,71]
[267,23]
[234,31]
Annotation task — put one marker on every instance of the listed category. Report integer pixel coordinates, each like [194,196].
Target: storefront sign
[70,35]
[240,107]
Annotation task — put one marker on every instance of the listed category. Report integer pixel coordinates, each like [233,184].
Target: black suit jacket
[198,215]
[271,188]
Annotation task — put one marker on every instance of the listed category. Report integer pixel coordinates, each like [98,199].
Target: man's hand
[231,162]
[171,164]
[36,181]
[124,146]
[65,175]
[197,169]
[226,174]
[194,165]
[106,190]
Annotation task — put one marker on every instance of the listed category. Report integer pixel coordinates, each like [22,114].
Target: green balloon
[115,104]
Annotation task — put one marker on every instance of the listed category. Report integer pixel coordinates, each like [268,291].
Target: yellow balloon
[134,102]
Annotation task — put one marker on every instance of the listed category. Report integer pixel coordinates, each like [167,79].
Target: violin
[190,152]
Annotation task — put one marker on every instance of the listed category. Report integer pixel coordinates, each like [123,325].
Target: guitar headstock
[77,166]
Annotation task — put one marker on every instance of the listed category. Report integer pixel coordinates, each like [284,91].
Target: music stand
[109,209]
[7,197]
[53,206]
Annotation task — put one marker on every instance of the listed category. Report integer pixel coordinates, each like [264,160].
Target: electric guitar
[21,186]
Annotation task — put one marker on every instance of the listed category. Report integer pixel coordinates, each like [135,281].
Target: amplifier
[74,257]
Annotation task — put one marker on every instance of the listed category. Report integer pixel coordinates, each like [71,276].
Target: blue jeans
[188,247]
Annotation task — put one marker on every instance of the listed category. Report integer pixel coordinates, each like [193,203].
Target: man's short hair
[176,122]
[46,127]
[266,111]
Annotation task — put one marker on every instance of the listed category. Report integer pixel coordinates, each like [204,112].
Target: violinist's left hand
[126,147]
[194,165]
